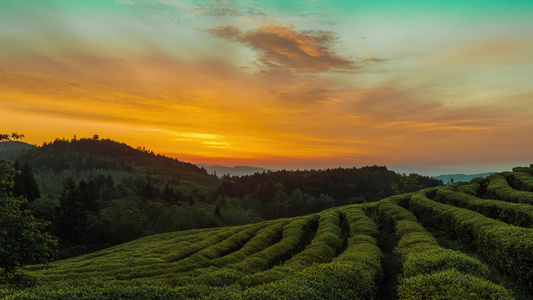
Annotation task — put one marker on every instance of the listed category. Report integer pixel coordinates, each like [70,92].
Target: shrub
[450,284]
[512,213]
[499,188]
[508,247]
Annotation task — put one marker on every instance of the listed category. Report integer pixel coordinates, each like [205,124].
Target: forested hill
[11,149]
[10,146]
[98,192]
[85,159]
[89,154]
[291,193]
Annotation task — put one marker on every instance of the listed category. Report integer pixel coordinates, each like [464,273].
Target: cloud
[283,48]
[212,108]
[375,59]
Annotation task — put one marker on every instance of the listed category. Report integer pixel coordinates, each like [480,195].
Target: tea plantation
[463,241]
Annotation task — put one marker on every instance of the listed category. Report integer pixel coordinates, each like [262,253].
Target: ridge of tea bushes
[292,234]
[508,247]
[521,179]
[512,213]
[425,262]
[351,275]
[419,250]
[323,248]
[500,188]
[332,254]
[450,284]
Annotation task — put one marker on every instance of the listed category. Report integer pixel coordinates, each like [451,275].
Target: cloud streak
[216,110]
[285,49]
[260,82]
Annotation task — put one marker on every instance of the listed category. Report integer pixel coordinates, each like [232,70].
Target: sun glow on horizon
[285,84]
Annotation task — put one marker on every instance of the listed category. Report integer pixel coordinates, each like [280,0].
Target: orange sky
[278,89]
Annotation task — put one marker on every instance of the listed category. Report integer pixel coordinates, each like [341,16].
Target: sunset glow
[277,84]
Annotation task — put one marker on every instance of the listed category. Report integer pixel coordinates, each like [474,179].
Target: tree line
[96,192]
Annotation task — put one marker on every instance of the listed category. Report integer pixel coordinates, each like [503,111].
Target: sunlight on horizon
[285,84]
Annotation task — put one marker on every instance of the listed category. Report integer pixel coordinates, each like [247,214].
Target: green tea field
[462,241]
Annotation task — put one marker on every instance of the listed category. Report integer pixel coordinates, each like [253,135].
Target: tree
[22,237]
[24,183]
[407,184]
[13,136]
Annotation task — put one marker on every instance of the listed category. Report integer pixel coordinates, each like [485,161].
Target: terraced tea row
[508,247]
[333,254]
[511,213]
[430,271]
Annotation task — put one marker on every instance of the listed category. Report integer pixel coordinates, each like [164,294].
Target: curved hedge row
[511,213]
[508,247]
[521,180]
[354,274]
[293,233]
[424,260]
[450,284]
[500,189]
[323,248]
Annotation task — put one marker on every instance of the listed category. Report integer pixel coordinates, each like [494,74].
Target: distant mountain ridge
[423,171]
[447,178]
[220,170]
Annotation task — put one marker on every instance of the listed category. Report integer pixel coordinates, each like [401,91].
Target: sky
[277,84]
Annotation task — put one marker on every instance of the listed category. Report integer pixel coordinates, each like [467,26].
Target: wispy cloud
[284,48]
[375,59]
[252,79]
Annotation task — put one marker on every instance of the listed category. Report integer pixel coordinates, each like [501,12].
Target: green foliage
[420,251]
[24,183]
[291,193]
[499,188]
[521,180]
[450,284]
[22,237]
[469,189]
[336,280]
[422,259]
[351,275]
[324,246]
[512,213]
[292,234]
[331,254]
[508,247]
[407,184]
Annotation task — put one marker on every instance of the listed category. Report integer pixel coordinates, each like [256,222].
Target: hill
[463,241]
[99,192]
[15,146]
[11,149]
[451,178]
[232,171]
[53,163]
[423,171]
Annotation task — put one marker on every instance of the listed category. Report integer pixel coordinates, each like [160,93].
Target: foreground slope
[464,241]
